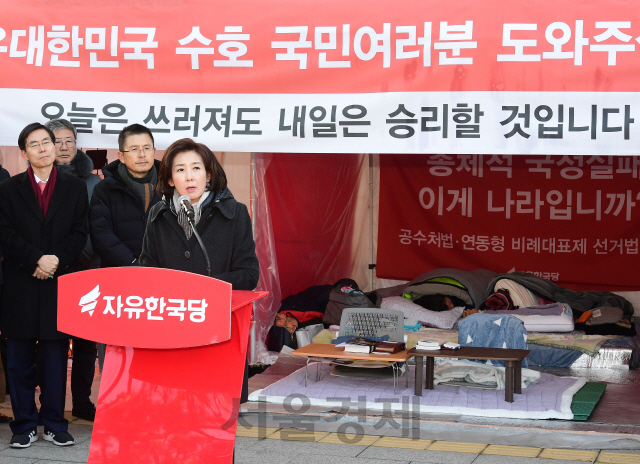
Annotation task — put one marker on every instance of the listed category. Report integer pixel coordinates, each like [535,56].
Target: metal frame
[394,365]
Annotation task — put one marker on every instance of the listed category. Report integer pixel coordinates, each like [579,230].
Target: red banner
[570,219]
[329,76]
[327,46]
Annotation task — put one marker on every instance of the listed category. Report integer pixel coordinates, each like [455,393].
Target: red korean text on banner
[569,219]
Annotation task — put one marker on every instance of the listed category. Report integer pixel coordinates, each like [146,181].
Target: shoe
[24,439]
[58,438]
[86,411]
[4,419]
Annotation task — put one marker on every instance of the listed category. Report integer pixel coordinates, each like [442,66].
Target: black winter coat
[117,219]
[4,175]
[225,229]
[29,304]
[82,167]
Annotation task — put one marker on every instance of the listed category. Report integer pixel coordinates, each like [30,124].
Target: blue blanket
[493,331]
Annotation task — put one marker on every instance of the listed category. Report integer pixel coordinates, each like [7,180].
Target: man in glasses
[43,228]
[121,202]
[72,161]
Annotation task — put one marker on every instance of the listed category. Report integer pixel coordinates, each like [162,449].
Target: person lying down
[440,297]
[434,310]
[439,302]
[435,302]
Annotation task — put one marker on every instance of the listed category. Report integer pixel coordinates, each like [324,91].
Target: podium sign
[144,307]
[170,387]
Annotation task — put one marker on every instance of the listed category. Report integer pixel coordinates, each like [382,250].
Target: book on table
[428,344]
[366,345]
[358,349]
[427,348]
[358,345]
[389,347]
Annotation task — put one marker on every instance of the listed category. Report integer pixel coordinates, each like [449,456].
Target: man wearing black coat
[73,161]
[43,228]
[4,175]
[121,202]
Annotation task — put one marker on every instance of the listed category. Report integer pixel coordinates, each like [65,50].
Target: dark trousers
[83,369]
[21,359]
[3,356]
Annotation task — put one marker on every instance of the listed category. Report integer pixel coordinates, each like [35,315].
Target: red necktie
[42,186]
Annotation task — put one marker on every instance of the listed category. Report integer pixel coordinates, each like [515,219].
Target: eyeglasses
[68,143]
[44,144]
[136,151]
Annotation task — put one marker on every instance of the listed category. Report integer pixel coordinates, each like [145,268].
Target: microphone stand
[204,250]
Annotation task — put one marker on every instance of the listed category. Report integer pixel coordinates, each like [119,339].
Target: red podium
[174,365]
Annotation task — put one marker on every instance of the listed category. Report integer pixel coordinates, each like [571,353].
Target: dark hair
[211,165]
[133,129]
[34,126]
[432,302]
[436,302]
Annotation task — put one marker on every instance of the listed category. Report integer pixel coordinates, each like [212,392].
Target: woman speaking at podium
[190,170]
[198,226]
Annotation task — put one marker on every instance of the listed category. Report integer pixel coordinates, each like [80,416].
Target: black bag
[312,299]
[279,337]
[341,298]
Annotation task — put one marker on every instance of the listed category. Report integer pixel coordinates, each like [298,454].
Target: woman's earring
[208,185]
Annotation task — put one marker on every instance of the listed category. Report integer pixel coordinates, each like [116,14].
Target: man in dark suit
[4,174]
[43,228]
[121,203]
[73,161]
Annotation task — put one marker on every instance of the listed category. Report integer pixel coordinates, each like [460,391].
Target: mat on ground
[550,398]
[585,400]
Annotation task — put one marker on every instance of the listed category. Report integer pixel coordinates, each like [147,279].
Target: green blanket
[588,344]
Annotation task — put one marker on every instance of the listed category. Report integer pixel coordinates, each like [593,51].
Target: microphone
[185,202]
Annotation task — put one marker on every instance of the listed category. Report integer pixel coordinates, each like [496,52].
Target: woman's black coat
[225,228]
[29,304]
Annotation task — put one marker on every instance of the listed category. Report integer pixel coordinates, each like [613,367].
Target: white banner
[484,122]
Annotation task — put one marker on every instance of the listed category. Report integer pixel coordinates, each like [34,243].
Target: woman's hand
[469,312]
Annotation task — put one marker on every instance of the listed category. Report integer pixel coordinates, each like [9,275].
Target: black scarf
[142,187]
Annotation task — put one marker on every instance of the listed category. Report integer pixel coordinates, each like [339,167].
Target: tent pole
[371,222]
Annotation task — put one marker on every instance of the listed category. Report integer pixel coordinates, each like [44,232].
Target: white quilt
[550,398]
